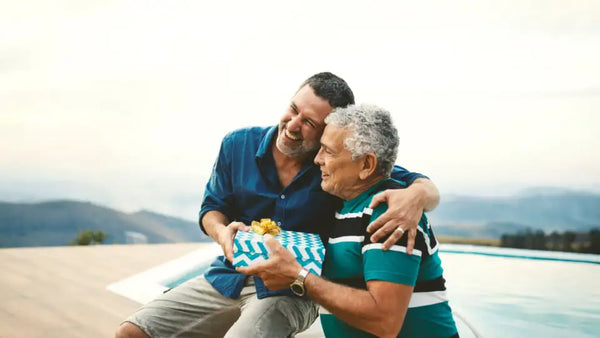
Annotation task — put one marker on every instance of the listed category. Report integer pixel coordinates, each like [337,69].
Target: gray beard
[296,152]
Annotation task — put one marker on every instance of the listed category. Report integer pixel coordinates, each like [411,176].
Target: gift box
[249,248]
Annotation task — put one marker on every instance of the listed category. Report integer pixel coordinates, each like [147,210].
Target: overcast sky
[124,103]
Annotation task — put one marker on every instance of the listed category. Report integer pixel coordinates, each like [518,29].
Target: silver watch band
[302,275]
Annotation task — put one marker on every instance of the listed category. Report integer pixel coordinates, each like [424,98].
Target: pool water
[514,297]
[501,293]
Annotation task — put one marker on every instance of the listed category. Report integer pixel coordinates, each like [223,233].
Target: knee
[129,330]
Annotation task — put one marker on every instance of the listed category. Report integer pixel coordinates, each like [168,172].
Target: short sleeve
[392,265]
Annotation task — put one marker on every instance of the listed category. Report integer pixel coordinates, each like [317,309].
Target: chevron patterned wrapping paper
[249,248]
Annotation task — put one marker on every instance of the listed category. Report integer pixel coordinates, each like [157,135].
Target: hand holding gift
[250,248]
[277,272]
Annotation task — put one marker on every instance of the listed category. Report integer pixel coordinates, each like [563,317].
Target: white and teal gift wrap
[249,248]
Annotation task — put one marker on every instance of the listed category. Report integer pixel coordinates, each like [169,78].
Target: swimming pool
[500,292]
[514,297]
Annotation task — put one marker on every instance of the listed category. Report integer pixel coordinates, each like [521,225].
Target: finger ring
[400,229]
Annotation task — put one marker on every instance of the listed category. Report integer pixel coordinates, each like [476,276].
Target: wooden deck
[61,291]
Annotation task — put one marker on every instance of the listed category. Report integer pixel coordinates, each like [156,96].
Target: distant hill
[55,223]
[548,209]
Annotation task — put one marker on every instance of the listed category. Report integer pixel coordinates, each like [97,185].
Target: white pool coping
[521,253]
[147,285]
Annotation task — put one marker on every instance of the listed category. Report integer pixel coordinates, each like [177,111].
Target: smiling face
[302,124]
[340,175]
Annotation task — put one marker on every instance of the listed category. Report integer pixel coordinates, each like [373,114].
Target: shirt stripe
[342,239]
[398,248]
[430,250]
[419,299]
[366,211]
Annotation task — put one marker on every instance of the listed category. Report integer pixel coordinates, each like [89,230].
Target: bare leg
[129,330]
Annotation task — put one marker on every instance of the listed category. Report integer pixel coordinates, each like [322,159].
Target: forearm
[213,222]
[354,306]
[427,192]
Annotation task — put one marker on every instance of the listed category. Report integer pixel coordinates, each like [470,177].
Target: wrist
[220,230]
[298,285]
[308,282]
[428,195]
[419,192]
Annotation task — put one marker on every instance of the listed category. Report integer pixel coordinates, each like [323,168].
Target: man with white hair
[364,289]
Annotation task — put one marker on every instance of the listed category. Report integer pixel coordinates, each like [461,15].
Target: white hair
[372,131]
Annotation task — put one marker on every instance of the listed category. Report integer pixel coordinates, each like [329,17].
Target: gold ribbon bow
[265,226]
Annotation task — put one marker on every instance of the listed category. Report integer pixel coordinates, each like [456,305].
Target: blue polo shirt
[244,186]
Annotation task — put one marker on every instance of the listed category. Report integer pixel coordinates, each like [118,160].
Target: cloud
[122,93]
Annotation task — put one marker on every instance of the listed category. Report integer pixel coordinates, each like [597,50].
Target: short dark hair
[331,88]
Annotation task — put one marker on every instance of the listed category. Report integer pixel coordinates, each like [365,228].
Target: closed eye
[326,150]
[310,123]
[294,109]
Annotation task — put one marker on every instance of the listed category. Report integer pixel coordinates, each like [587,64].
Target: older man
[365,290]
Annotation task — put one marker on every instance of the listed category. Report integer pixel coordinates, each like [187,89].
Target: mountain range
[55,223]
[546,209]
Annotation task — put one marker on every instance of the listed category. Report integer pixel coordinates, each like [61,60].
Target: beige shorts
[196,309]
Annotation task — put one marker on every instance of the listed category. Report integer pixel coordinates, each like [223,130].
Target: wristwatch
[297,286]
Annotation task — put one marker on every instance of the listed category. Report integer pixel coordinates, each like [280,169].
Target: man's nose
[294,123]
[317,159]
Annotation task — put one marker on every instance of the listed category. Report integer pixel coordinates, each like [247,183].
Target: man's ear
[369,164]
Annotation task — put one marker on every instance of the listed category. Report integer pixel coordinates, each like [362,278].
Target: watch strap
[302,275]
[297,285]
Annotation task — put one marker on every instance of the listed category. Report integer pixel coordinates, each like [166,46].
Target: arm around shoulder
[428,192]
[424,190]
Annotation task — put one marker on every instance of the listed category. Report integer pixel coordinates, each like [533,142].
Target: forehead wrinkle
[336,139]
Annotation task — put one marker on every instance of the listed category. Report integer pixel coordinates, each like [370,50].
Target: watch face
[297,289]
